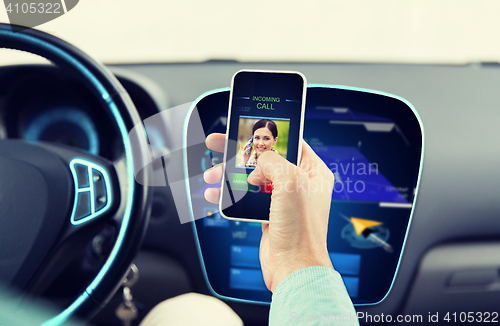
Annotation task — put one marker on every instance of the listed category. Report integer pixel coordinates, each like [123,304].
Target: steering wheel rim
[117,101]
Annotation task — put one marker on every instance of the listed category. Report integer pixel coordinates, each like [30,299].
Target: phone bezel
[301,129]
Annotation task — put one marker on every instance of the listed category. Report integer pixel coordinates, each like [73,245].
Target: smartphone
[249,150]
[266,107]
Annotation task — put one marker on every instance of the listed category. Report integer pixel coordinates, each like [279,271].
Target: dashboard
[371,142]
[455,216]
[42,104]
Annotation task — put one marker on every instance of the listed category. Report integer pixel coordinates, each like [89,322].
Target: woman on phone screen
[265,136]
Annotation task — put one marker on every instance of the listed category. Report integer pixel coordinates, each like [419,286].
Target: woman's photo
[256,136]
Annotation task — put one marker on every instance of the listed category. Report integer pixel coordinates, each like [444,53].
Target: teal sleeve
[314,295]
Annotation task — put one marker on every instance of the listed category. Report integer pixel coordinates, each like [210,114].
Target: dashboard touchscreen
[373,143]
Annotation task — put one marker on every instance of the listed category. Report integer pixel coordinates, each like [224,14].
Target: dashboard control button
[83,208]
[100,199]
[82,173]
[92,190]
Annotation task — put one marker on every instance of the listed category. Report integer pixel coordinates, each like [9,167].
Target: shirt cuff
[309,292]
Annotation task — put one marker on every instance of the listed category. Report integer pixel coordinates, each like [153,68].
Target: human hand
[295,237]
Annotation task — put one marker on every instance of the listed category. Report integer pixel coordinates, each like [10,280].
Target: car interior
[420,240]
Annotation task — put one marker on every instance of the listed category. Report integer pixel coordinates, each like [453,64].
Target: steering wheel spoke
[95,183]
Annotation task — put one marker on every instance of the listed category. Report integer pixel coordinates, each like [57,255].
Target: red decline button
[267,188]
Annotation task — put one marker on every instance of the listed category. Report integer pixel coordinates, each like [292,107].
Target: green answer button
[239,181]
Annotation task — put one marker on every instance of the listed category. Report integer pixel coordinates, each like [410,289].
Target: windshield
[128,31]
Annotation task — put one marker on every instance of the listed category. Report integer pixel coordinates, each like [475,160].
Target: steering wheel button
[83,205]
[82,172]
[100,199]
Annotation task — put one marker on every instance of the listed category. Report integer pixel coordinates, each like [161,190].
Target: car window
[451,32]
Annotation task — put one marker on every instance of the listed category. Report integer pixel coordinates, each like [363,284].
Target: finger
[270,166]
[212,195]
[308,155]
[216,142]
[213,175]
[314,166]
[311,162]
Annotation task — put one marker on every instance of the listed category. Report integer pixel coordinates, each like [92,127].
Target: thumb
[270,167]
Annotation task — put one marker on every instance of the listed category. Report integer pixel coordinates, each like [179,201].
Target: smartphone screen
[266,113]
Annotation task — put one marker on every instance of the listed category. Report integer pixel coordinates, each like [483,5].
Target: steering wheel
[53,198]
